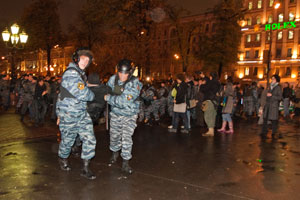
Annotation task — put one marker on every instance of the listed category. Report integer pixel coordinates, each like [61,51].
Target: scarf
[273,85]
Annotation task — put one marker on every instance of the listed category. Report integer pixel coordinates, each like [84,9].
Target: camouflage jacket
[29,90]
[125,104]
[72,81]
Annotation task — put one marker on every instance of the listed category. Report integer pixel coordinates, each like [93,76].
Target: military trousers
[73,124]
[153,108]
[121,131]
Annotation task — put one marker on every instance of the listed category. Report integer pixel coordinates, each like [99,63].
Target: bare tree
[41,21]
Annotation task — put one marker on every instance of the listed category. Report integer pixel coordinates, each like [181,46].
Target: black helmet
[125,66]
[82,51]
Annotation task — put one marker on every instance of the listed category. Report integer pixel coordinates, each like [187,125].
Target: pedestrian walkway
[11,128]
[167,165]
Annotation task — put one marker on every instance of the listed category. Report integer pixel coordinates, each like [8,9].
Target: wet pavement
[167,165]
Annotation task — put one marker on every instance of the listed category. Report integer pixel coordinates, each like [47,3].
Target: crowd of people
[76,102]
[205,101]
[37,96]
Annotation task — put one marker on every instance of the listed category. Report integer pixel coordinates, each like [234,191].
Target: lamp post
[276,6]
[18,40]
[176,57]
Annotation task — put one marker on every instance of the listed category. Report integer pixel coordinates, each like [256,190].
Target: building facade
[165,58]
[270,28]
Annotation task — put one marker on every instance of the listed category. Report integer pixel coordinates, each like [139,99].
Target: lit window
[259,3]
[291,35]
[279,35]
[291,16]
[257,38]
[258,20]
[271,3]
[280,17]
[270,19]
[247,71]
[250,5]
[248,38]
[269,36]
[249,21]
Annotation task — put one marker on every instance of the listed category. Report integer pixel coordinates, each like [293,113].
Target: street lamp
[276,6]
[14,36]
[18,40]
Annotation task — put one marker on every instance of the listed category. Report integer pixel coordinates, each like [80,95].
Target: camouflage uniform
[141,114]
[154,104]
[29,89]
[20,91]
[72,111]
[163,100]
[4,92]
[124,111]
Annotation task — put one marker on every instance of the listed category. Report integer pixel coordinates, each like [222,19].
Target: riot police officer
[71,110]
[124,111]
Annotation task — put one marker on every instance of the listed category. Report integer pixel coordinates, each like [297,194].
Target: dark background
[11,10]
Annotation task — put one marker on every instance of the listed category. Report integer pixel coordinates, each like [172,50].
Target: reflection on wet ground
[167,166]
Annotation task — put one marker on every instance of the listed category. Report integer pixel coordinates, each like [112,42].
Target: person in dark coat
[210,89]
[271,108]
[96,107]
[40,102]
[180,98]
[286,95]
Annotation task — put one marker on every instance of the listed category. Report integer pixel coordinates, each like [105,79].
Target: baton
[106,117]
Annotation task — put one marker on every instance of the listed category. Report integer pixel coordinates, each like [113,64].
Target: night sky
[11,10]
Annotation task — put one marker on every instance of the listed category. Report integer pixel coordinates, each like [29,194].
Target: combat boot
[63,163]
[114,157]
[126,168]
[86,172]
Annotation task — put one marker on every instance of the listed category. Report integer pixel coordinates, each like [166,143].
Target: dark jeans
[176,117]
[40,109]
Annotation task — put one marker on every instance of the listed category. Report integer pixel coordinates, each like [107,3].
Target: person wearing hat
[72,116]
[271,108]
[124,111]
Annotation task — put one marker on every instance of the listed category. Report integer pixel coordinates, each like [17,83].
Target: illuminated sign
[279,26]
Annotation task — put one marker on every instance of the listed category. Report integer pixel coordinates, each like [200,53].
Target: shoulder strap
[83,77]
[63,91]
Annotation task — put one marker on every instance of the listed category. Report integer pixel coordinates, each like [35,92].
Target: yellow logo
[129,97]
[80,86]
